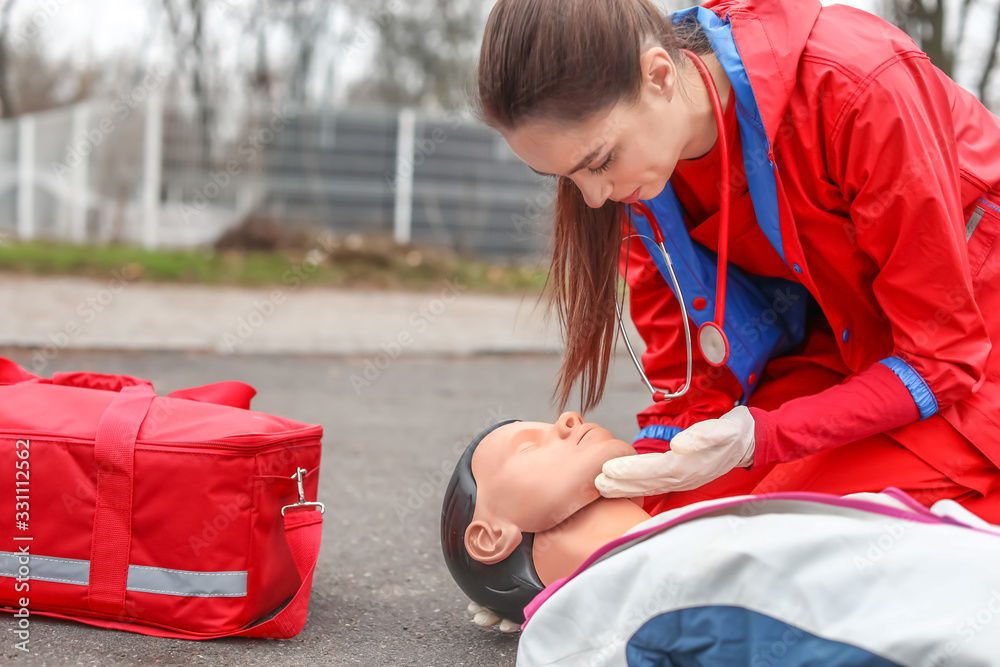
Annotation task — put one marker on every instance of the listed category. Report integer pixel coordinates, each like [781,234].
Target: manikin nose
[567,422]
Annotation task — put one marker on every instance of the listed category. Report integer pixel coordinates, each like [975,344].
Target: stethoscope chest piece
[713,344]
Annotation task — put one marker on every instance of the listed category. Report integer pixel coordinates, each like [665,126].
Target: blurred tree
[928,22]
[281,37]
[306,20]
[6,106]
[187,20]
[924,21]
[424,51]
[260,79]
[32,80]
[36,83]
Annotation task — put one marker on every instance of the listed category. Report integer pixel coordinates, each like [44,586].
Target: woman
[860,296]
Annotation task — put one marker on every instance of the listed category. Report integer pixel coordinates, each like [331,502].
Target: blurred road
[55,313]
[381,594]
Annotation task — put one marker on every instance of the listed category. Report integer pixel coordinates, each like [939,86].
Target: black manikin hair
[504,588]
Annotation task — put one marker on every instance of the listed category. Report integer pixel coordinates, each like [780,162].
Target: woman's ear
[659,71]
[489,543]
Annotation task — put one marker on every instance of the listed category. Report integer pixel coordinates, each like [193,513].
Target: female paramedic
[804,210]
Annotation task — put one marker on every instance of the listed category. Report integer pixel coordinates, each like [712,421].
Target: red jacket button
[699,303]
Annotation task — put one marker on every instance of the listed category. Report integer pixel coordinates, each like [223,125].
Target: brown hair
[566,61]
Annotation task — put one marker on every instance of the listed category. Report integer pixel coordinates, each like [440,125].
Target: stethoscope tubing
[662,394]
[723,257]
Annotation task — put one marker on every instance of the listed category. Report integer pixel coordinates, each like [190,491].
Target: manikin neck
[559,551]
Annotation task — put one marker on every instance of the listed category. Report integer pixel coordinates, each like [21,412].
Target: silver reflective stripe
[141,578]
[973,222]
[186,582]
[46,568]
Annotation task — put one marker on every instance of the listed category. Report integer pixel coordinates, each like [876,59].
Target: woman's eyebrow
[580,165]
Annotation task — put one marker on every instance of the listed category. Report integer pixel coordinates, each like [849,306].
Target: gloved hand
[486,619]
[703,452]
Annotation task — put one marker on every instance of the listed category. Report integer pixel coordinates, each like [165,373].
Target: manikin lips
[593,427]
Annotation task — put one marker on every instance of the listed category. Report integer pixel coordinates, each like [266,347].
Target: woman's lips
[632,198]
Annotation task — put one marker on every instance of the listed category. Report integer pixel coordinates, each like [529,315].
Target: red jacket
[881,162]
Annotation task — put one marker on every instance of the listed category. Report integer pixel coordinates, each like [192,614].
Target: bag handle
[102,381]
[303,532]
[231,392]
[114,456]
[11,373]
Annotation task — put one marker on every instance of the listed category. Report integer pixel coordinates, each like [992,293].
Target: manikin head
[517,479]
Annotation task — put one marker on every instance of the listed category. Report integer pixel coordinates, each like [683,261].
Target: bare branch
[963,18]
[6,105]
[173,16]
[991,62]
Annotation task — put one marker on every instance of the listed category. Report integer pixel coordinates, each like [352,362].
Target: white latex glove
[700,453]
[486,619]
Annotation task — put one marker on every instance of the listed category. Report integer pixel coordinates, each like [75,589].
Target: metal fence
[160,175]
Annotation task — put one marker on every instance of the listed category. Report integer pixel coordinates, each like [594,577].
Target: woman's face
[625,154]
[535,475]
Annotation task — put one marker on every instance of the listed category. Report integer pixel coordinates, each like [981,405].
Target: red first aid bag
[187,515]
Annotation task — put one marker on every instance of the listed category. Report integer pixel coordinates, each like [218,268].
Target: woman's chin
[653,190]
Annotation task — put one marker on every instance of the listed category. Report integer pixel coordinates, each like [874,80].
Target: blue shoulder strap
[764,316]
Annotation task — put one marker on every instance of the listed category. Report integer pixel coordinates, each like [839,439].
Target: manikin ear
[491,543]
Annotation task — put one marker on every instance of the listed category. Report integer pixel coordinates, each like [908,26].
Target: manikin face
[625,154]
[531,476]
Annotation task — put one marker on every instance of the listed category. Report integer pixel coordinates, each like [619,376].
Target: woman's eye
[604,167]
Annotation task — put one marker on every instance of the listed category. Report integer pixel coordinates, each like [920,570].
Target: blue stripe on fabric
[915,384]
[659,432]
[726,635]
[989,204]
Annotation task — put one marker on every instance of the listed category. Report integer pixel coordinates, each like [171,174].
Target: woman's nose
[595,193]
[567,422]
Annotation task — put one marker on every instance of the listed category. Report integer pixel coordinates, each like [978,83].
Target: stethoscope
[712,340]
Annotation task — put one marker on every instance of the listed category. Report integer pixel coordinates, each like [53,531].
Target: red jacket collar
[770,36]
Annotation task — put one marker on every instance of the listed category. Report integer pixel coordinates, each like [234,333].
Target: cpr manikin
[522,511]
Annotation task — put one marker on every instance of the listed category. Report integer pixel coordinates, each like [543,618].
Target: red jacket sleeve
[657,317]
[869,403]
[895,157]
[893,153]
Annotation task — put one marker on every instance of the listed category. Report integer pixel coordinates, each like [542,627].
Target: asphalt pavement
[394,409]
